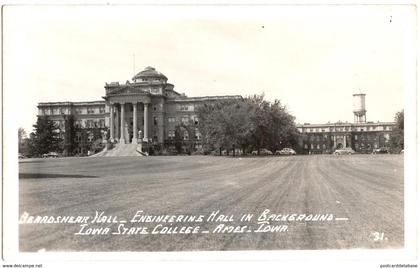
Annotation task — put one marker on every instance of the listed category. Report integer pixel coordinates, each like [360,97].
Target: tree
[23,142]
[45,138]
[397,135]
[223,124]
[21,134]
[69,142]
[250,123]
[178,139]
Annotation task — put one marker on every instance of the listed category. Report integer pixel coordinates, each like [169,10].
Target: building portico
[124,123]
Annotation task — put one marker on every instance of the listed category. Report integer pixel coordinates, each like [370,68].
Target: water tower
[359,108]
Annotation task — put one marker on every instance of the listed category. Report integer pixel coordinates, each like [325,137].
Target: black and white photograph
[219,129]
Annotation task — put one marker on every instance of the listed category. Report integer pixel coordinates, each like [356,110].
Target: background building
[361,136]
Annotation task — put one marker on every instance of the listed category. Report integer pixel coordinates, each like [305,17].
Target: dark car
[263,151]
[382,150]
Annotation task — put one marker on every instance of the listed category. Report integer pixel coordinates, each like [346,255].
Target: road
[363,193]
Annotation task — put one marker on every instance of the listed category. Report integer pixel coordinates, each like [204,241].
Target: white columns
[146,122]
[117,128]
[134,141]
[111,122]
[122,132]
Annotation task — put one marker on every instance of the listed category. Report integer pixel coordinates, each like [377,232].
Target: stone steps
[122,149]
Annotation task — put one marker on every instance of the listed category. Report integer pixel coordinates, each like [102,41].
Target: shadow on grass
[50,175]
[26,161]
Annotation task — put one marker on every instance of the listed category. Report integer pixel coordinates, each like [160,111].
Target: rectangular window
[197,134]
[102,110]
[90,124]
[90,137]
[185,120]
[155,121]
[171,119]
[78,137]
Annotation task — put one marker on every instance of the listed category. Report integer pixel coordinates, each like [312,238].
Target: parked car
[286,151]
[263,151]
[382,150]
[402,151]
[342,151]
[21,156]
[50,155]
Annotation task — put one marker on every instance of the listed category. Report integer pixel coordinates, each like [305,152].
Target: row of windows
[91,123]
[90,136]
[63,111]
[343,129]
[90,110]
[356,145]
[55,111]
[312,146]
[320,138]
[185,135]
[185,120]
[371,137]
[184,107]
[356,137]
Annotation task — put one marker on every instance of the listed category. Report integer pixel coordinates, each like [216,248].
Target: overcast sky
[311,58]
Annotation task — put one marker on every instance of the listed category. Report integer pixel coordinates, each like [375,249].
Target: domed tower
[359,108]
[149,74]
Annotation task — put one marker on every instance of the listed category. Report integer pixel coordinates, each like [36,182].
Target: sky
[311,58]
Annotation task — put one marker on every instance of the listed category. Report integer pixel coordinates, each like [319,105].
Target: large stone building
[145,110]
[361,136]
[148,109]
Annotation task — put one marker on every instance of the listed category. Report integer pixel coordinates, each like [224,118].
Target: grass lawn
[364,193]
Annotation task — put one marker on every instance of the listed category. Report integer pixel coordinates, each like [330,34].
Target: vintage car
[342,151]
[50,155]
[286,151]
[263,151]
[382,150]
